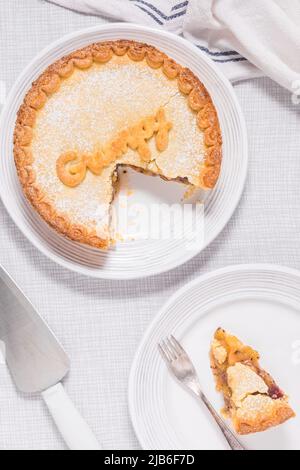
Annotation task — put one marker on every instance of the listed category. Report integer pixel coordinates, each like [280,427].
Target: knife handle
[75,431]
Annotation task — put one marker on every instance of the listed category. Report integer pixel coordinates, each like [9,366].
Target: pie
[253,400]
[107,105]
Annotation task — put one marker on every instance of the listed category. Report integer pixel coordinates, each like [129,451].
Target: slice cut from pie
[110,104]
[253,400]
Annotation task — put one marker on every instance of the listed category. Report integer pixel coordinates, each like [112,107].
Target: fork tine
[171,348]
[164,352]
[178,346]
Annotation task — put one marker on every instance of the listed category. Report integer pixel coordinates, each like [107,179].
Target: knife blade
[38,363]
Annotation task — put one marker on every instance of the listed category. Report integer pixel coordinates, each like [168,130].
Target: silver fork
[181,366]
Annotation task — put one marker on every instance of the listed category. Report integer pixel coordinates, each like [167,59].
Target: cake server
[38,363]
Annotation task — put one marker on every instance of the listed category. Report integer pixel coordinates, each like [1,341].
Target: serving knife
[38,363]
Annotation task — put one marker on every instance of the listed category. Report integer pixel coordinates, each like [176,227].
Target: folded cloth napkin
[246,38]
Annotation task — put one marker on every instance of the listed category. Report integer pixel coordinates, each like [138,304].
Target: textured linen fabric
[100,323]
[266,32]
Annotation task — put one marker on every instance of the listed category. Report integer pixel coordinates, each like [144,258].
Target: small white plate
[258,303]
[131,259]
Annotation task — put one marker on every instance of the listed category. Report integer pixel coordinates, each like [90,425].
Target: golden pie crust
[253,400]
[56,83]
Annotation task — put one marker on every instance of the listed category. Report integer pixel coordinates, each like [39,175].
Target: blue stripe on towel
[223,61]
[150,14]
[180,5]
[176,15]
[157,11]
[152,7]
[218,53]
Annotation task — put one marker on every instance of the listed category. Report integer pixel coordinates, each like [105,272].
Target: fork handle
[230,437]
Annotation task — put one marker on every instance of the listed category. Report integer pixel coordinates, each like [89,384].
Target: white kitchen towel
[245,37]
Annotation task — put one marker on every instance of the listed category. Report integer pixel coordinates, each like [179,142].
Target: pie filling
[111,104]
[252,398]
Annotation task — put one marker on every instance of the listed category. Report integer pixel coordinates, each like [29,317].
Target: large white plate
[138,258]
[258,303]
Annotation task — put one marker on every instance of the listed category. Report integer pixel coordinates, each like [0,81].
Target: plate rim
[172,299]
[101,273]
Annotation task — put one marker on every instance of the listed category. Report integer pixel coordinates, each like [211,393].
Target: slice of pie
[253,400]
[111,104]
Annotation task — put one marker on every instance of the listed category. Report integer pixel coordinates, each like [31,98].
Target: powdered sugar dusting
[90,108]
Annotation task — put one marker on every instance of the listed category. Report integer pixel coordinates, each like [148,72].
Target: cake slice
[253,400]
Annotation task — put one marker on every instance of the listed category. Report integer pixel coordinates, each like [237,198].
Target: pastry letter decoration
[71,167]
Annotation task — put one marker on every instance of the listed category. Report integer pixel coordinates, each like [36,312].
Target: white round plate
[258,303]
[131,259]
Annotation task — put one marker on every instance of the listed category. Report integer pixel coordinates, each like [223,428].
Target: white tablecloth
[100,323]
